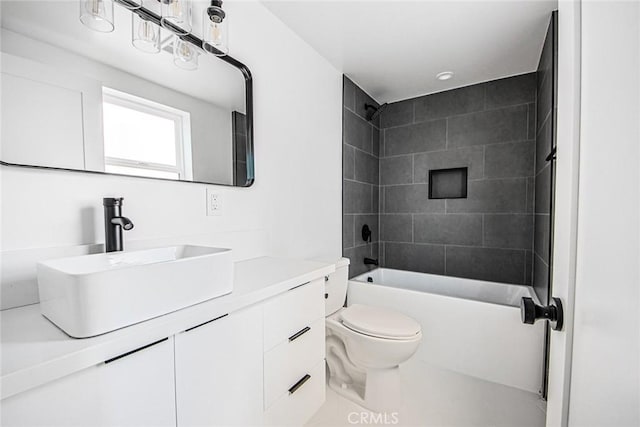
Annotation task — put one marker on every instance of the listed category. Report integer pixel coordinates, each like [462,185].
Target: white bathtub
[469,326]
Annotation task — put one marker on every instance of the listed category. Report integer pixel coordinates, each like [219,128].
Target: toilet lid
[379,322]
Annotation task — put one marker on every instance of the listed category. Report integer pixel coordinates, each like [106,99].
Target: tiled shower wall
[360,158]
[488,128]
[544,176]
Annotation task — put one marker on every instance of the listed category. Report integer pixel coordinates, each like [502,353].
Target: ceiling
[394,49]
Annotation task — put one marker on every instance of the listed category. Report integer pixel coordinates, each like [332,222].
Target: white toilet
[365,346]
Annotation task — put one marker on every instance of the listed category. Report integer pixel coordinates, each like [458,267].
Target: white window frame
[181,119]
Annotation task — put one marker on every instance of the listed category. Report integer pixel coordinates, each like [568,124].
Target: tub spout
[370,261]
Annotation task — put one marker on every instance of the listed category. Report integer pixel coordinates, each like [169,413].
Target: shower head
[373,112]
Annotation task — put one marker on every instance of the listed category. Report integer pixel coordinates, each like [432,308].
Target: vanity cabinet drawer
[292,311]
[291,360]
[298,405]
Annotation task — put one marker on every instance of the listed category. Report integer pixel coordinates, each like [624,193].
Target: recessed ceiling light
[445,75]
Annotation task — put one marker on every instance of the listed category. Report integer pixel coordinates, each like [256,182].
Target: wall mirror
[78,99]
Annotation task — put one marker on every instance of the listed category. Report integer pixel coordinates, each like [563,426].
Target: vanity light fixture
[445,75]
[215,35]
[97,15]
[145,35]
[185,55]
[176,16]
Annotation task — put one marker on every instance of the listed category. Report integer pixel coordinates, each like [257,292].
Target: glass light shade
[177,16]
[215,34]
[185,55]
[97,15]
[145,35]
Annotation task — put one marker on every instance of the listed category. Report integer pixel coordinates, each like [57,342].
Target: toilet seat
[379,322]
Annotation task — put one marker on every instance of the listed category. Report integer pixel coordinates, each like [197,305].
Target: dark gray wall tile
[511,91]
[375,142]
[457,229]
[531,116]
[528,268]
[348,93]
[470,157]
[487,127]
[509,160]
[375,199]
[396,227]
[347,231]
[413,257]
[356,256]
[241,146]
[397,114]
[416,148]
[541,278]
[496,265]
[375,253]
[372,221]
[543,145]
[543,191]
[357,131]
[545,101]
[541,239]
[412,198]
[508,231]
[241,173]
[530,194]
[348,162]
[451,102]
[428,136]
[396,170]
[492,196]
[357,197]
[366,167]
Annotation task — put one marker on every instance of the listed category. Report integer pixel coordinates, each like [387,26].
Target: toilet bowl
[365,346]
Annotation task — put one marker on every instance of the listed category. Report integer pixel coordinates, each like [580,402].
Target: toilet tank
[336,287]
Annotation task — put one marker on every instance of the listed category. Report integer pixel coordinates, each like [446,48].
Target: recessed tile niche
[448,183]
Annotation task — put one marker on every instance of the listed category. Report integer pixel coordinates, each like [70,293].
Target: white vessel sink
[93,294]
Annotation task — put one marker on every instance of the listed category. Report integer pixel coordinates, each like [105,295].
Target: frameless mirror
[136,101]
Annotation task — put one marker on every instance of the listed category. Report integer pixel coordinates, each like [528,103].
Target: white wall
[293,209]
[605,376]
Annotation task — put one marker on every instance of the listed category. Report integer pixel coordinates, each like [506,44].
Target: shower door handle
[530,312]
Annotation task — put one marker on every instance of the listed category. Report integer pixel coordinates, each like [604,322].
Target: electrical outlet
[214,202]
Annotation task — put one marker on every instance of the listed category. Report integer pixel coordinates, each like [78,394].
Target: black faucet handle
[112,201]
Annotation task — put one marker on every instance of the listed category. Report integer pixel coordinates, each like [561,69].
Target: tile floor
[434,396]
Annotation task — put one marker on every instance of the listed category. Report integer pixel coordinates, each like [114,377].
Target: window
[145,138]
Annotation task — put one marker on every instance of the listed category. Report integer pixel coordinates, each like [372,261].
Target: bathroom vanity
[253,357]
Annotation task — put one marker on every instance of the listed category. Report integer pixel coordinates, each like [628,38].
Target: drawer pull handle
[300,333]
[129,353]
[299,384]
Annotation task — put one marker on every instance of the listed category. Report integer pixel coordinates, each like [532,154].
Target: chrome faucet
[114,223]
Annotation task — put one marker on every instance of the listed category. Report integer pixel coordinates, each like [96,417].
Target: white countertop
[34,351]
